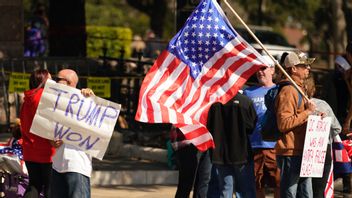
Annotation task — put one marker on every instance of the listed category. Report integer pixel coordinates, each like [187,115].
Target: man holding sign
[292,120]
[71,167]
[80,128]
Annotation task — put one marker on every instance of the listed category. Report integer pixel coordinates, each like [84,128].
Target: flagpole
[266,51]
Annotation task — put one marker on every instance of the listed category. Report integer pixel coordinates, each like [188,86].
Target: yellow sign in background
[18,82]
[100,86]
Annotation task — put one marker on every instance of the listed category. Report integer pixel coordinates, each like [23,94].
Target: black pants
[319,184]
[194,171]
[39,179]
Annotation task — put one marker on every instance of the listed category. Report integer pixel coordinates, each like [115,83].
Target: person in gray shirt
[322,107]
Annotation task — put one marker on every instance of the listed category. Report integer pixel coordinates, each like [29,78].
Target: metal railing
[126,77]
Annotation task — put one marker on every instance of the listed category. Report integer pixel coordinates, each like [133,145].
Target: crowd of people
[242,162]
[245,164]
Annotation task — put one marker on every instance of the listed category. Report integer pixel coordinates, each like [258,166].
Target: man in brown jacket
[292,117]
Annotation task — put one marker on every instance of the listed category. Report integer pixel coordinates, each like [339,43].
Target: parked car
[274,42]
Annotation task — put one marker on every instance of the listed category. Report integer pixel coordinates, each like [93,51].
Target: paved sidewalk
[121,170]
[144,191]
[159,191]
[138,172]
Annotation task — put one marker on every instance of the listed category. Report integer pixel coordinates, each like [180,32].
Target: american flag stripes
[11,157]
[342,162]
[206,62]
[12,148]
[329,188]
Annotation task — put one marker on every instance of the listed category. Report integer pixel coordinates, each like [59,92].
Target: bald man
[72,167]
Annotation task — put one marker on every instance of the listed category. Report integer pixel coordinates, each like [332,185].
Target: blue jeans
[239,176]
[69,185]
[213,189]
[203,175]
[291,184]
[194,172]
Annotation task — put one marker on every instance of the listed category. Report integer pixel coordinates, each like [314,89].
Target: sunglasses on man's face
[263,68]
[58,79]
[303,66]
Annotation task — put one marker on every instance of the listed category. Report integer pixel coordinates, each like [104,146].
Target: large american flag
[206,62]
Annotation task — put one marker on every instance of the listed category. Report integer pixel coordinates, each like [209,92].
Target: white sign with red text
[315,145]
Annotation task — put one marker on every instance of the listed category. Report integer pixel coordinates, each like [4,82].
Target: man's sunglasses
[58,79]
[303,65]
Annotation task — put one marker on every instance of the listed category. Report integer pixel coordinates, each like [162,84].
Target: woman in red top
[37,151]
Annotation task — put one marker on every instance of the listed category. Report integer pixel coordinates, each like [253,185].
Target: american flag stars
[201,38]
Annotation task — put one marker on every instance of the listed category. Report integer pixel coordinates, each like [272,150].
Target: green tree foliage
[347,8]
[141,15]
[116,13]
[278,12]
[156,10]
[27,9]
[110,38]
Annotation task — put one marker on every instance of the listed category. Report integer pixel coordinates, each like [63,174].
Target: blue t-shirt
[256,94]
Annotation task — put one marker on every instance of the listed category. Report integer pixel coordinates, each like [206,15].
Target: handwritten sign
[315,145]
[85,122]
[100,86]
[18,82]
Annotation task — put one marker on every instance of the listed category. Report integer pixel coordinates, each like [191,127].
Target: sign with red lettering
[315,145]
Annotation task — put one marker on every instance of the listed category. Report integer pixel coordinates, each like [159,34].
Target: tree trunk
[67,35]
[336,34]
[260,12]
[156,10]
[157,17]
[347,8]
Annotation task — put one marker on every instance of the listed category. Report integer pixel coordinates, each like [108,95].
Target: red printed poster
[315,145]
